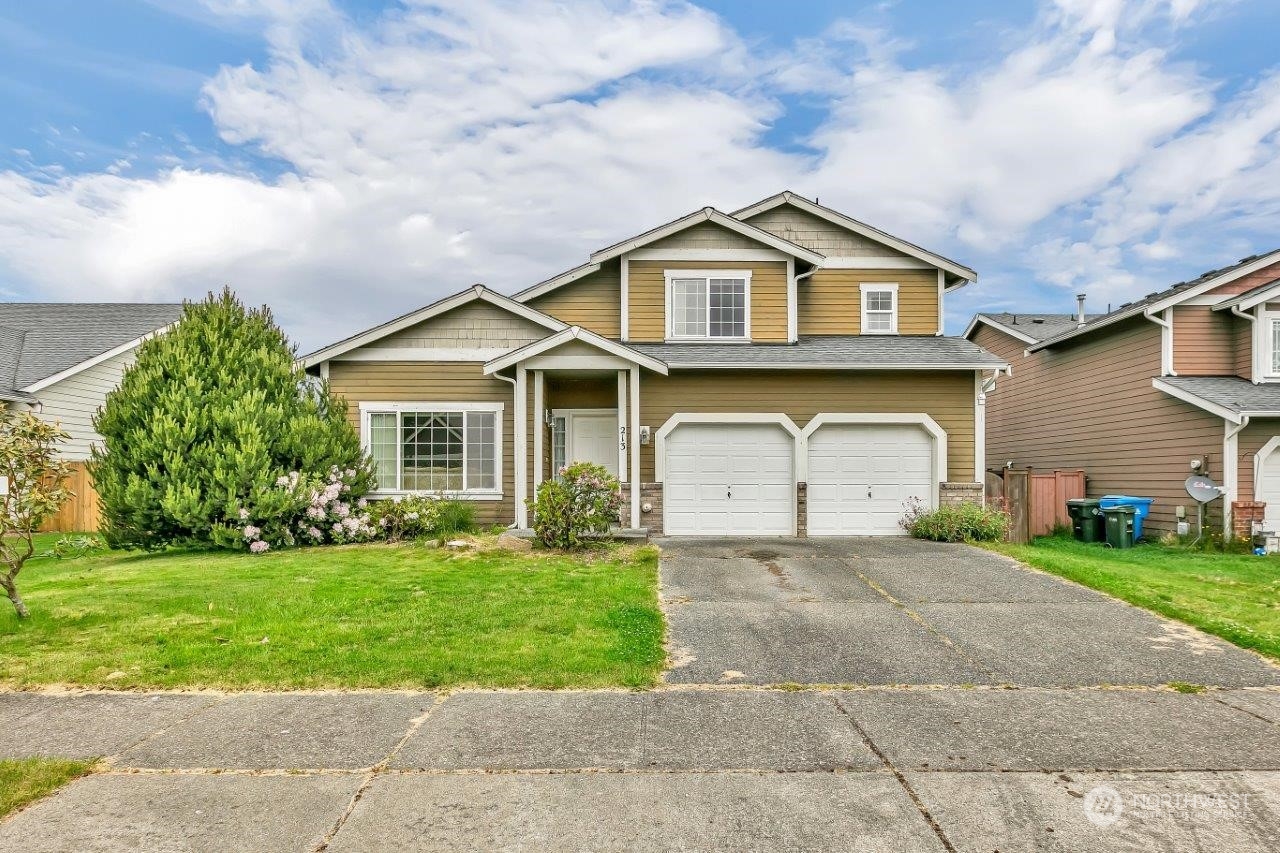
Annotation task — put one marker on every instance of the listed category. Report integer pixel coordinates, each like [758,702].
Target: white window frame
[432,407]
[1270,319]
[869,287]
[743,275]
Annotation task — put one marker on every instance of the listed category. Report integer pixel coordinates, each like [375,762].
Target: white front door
[729,479]
[862,476]
[594,438]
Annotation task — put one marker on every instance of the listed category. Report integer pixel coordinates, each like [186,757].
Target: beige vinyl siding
[1205,341]
[1092,407]
[475,325]
[433,382]
[648,297]
[831,301]
[814,232]
[593,302]
[74,401]
[706,235]
[948,397]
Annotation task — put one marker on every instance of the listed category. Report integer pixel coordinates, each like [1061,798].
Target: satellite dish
[1202,489]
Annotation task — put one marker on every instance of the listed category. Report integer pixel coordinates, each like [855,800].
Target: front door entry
[594,438]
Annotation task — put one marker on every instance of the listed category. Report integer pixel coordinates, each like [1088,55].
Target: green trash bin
[1119,522]
[1086,520]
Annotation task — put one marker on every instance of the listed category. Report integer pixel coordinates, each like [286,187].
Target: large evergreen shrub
[209,418]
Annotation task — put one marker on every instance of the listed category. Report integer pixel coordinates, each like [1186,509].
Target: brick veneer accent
[1244,514]
[802,509]
[950,494]
[650,493]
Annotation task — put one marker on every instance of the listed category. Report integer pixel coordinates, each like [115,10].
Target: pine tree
[205,421]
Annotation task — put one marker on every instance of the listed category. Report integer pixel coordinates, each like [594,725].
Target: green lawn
[26,780]
[359,616]
[1235,596]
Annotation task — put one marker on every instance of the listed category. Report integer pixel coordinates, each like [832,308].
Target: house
[775,371]
[1184,381]
[59,360]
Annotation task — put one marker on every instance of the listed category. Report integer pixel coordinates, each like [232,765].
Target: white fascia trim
[1165,322]
[1231,469]
[1185,295]
[909,418]
[942,289]
[867,287]
[552,283]
[707,214]
[624,287]
[93,362]
[871,262]
[691,365]
[430,406]
[709,255]
[1259,459]
[782,420]
[435,309]
[1199,402]
[999,327]
[868,231]
[793,303]
[744,274]
[569,334]
[421,354]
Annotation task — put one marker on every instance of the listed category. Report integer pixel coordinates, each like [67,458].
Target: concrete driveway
[897,611]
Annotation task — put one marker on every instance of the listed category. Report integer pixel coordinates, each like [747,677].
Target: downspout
[1166,342]
[1231,476]
[1253,341]
[512,380]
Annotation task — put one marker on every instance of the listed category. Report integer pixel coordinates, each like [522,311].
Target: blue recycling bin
[1141,507]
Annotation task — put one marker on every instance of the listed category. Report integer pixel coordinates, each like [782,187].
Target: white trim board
[707,214]
[435,309]
[480,355]
[574,333]
[873,262]
[82,366]
[708,255]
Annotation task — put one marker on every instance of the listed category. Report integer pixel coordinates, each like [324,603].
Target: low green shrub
[417,516]
[454,516]
[568,509]
[964,522]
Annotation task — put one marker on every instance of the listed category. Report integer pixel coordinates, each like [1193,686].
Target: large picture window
[454,449]
[708,305]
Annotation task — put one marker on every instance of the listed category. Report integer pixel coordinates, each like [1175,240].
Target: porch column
[539,427]
[633,441]
[623,476]
[520,442]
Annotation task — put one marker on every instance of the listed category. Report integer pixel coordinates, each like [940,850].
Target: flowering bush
[965,522]
[583,500]
[304,511]
[415,516]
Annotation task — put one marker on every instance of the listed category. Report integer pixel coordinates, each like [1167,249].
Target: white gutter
[1253,337]
[1231,469]
[1165,323]
[514,525]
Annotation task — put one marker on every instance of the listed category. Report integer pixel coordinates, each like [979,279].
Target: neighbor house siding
[648,297]
[830,301]
[1091,406]
[814,232]
[1204,341]
[1249,282]
[432,382]
[948,397]
[74,401]
[593,302]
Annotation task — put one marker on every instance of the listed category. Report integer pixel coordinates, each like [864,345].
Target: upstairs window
[708,305]
[880,309]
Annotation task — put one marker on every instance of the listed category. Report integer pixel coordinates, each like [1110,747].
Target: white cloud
[461,141]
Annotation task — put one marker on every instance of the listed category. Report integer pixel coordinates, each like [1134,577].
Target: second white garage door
[861,477]
[729,479]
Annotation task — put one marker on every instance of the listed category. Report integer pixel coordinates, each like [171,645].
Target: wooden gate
[1037,502]
[80,512]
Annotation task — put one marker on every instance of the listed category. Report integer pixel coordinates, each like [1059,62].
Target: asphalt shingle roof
[1239,395]
[838,351]
[1041,327]
[39,339]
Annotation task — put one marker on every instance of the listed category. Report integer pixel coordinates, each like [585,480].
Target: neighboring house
[59,360]
[1137,395]
[776,371]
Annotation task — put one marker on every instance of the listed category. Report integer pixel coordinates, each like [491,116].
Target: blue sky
[346,161]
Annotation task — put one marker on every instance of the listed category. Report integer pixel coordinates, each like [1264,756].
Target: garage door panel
[861,477]
[740,481]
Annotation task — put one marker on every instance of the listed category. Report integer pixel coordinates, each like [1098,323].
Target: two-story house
[780,370]
[1184,381]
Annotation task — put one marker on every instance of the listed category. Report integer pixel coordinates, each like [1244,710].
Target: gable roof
[707,214]
[45,342]
[1028,328]
[404,321]
[571,334]
[1169,297]
[962,274]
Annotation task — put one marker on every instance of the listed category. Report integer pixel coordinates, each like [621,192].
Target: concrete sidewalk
[687,768]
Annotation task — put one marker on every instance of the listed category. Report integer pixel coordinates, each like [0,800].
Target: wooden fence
[80,513]
[1037,502]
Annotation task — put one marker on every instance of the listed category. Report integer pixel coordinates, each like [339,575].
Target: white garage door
[1268,488]
[728,479]
[861,477]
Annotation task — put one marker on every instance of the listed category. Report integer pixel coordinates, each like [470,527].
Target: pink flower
[259,546]
[315,533]
[251,532]
[244,515]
